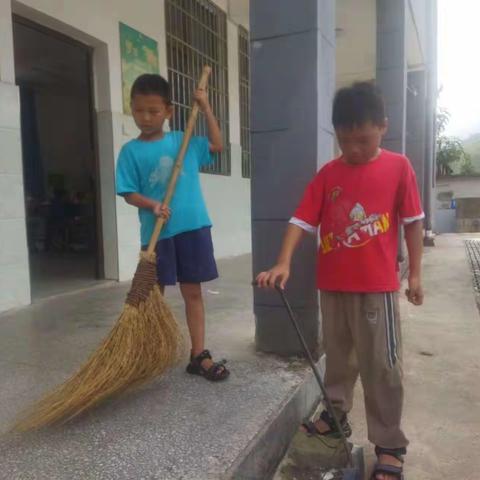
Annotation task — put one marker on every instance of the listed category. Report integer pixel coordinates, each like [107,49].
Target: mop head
[144,342]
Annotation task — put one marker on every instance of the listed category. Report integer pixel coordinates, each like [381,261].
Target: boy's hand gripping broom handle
[179,162]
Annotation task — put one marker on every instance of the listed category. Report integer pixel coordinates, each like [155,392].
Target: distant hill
[472,147]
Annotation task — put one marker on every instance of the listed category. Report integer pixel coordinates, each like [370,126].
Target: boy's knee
[191,292]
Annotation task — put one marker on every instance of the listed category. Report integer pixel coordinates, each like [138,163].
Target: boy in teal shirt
[185,249]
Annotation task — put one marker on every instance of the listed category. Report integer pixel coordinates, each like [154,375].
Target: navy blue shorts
[186,258]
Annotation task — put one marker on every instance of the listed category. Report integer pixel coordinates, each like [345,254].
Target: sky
[459,64]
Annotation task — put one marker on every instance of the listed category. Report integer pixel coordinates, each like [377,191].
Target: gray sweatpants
[361,335]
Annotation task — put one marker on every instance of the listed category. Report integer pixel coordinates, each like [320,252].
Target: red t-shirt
[358,208]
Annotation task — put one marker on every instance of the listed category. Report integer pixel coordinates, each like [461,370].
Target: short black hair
[357,105]
[151,84]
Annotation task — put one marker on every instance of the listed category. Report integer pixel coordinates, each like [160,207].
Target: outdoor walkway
[442,371]
[185,428]
[179,427]
[442,367]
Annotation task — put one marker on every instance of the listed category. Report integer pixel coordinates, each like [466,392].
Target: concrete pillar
[392,68]
[430,119]
[293,82]
[416,123]
[392,75]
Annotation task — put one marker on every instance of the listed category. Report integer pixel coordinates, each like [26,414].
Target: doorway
[54,75]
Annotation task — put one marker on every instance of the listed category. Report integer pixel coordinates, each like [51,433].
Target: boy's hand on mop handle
[161,210]
[278,275]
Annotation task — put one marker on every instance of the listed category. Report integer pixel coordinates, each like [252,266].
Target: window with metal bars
[244,74]
[197,36]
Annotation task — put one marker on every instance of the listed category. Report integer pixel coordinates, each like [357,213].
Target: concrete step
[176,428]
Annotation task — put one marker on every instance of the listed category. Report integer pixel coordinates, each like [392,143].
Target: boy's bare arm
[140,201]
[281,271]
[414,240]
[214,132]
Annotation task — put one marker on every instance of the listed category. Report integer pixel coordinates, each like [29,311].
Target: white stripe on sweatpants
[390,328]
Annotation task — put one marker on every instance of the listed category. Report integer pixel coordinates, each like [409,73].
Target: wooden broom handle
[179,161]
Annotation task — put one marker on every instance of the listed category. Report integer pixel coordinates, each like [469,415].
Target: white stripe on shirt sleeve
[303,225]
[408,220]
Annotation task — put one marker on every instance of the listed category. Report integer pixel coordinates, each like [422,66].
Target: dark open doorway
[54,75]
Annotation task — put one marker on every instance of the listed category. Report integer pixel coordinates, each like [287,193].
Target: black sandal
[312,430]
[382,468]
[216,373]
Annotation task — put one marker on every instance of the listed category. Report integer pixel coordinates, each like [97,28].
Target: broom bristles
[142,345]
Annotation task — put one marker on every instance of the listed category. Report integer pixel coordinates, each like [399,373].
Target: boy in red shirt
[357,201]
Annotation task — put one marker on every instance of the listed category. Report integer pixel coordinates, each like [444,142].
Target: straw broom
[144,342]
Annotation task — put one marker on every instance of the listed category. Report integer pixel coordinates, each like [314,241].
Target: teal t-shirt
[146,167]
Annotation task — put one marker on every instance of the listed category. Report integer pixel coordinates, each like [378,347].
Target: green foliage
[472,147]
[467,168]
[450,150]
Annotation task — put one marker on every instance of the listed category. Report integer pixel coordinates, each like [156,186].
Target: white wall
[448,188]
[356,40]
[416,31]
[14,272]
[461,187]
[419,12]
[228,198]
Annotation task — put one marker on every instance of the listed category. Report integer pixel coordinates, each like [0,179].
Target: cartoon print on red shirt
[355,231]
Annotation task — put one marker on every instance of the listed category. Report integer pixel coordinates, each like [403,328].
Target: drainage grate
[473,252]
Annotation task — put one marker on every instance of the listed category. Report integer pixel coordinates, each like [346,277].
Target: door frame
[93,130]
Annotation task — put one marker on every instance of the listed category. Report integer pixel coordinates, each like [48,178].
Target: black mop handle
[326,399]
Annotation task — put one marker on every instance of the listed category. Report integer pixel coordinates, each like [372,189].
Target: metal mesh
[244,74]
[197,36]
[473,252]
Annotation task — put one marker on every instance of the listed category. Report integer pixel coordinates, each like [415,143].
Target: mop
[350,472]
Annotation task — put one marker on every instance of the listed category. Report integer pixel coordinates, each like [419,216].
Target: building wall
[468,215]
[448,189]
[356,50]
[228,198]
[458,187]
[14,272]
[96,24]
[419,10]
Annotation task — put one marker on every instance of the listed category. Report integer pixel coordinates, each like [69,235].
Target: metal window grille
[197,36]
[244,73]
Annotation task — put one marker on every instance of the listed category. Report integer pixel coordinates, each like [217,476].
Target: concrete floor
[442,371]
[186,428]
[179,427]
[57,273]
[442,410]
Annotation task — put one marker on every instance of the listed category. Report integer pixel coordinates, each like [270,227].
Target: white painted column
[14,268]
